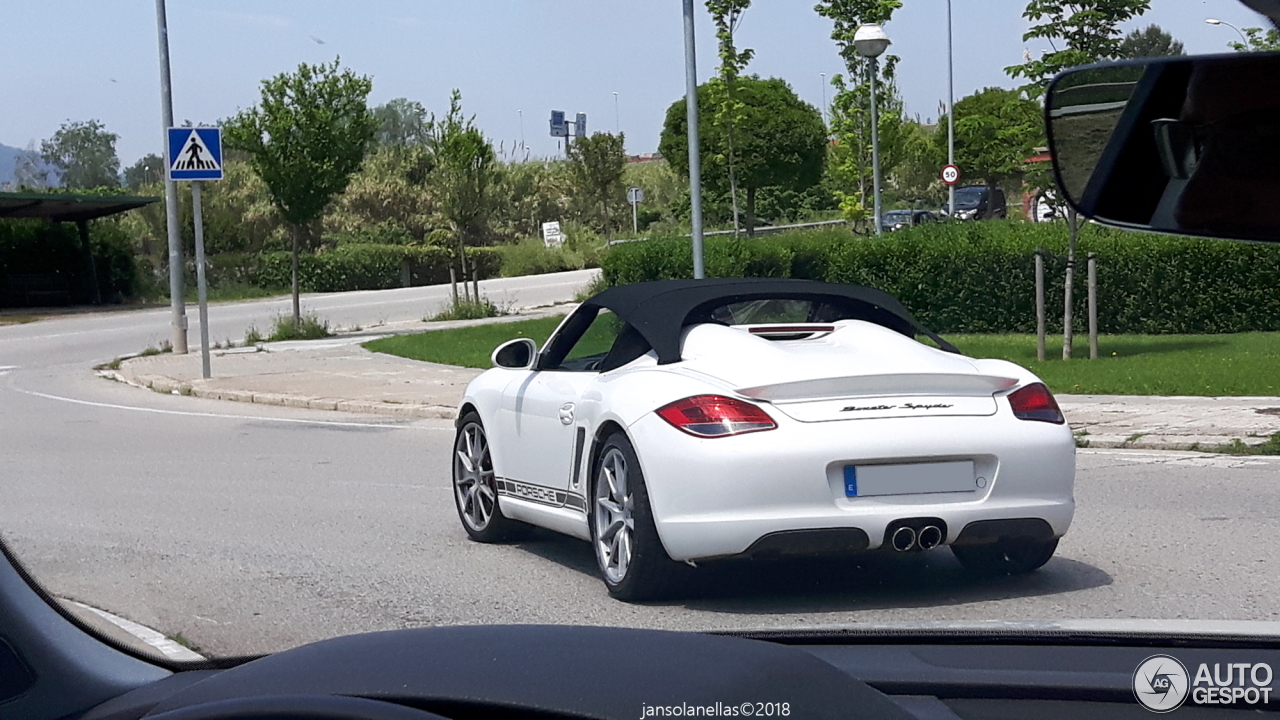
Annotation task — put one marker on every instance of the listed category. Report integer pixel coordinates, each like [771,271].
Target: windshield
[372,199]
[969,198]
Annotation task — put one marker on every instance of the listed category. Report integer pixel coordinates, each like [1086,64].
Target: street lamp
[695,161]
[871,42]
[1216,21]
[824,97]
[617,117]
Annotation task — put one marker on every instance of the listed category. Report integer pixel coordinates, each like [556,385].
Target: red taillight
[1035,402]
[713,416]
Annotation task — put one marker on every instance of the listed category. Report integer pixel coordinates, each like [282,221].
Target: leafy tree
[84,154]
[401,122]
[1151,41]
[1088,30]
[916,178]
[389,197]
[851,105]
[597,164]
[465,169]
[1259,40]
[996,131]
[149,169]
[305,139]
[782,140]
[727,16]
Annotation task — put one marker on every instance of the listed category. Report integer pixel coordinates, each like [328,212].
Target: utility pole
[695,161]
[179,312]
[951,114]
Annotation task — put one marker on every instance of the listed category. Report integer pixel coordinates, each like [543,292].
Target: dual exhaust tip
[907,538]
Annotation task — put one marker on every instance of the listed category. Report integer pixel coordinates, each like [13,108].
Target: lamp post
[1216,21]
[617,116]
[173,223]
[695,161]
[951,114]
[824,97]
[871,42]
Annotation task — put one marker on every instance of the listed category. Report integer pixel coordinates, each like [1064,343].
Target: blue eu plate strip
[850,481]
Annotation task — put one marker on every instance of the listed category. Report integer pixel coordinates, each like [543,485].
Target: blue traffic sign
[195,153]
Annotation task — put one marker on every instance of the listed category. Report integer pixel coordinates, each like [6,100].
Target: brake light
[1035,402]
[714,416]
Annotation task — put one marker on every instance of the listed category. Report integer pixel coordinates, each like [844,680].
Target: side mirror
[1185,145]
[517,354]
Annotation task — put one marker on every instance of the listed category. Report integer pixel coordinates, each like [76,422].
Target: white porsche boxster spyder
[678,421]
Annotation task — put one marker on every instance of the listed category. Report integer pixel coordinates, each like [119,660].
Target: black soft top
[660,310]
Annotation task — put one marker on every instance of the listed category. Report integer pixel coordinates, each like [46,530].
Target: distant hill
[8,164]
[8,156]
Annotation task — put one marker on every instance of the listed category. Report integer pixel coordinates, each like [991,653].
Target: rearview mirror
[1179,145]
[515,354]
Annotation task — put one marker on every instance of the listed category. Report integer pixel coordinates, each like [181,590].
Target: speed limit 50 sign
[951,174]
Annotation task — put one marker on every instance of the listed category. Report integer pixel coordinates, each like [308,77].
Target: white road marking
[157,640]
[1185,457]
[183,413]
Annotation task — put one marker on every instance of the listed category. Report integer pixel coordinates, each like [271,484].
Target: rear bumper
[729,496]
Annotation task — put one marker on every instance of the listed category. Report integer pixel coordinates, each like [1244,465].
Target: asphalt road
[252,529]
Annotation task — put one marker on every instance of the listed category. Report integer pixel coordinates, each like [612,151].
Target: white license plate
[914,479]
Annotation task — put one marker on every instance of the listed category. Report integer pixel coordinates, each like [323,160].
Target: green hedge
[368,267]
[980,277]
[35,247]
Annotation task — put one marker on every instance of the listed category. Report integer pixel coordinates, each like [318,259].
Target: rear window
[768,312]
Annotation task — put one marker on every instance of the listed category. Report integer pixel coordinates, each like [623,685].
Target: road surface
[251,529]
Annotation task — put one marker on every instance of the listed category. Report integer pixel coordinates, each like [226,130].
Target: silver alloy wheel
[473,481]
[614,516]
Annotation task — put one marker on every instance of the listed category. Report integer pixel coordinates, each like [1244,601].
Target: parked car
[898,219]
[678,421]
[976,202]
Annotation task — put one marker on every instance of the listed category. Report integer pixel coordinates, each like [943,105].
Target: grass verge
[1206,365]
[468,347]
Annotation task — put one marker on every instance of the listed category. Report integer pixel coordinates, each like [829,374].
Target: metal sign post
[196,154]
[635,196]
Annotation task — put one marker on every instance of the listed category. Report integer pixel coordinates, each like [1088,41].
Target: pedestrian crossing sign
[195,153]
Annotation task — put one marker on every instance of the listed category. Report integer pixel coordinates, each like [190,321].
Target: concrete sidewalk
[338,374]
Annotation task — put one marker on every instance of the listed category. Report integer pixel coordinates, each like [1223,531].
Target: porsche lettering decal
[541,495]
[904,406]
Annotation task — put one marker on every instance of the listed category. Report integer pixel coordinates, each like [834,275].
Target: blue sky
[80,59]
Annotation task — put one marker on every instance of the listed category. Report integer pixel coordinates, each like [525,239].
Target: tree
[465,168]
[84,154]
[727,16]
[851,105]
[782,140]
[996,131]
[916,178]
[1259,40]
[401,122]
[1088,29]
[147,170]
[305,139]
[597,165]
[1151,41]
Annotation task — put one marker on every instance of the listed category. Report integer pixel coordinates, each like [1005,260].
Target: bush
[980,277]
[310,327]
[35,247]
[370,267]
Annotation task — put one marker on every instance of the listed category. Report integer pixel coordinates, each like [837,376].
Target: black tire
[475,494]
[1006,557]
[647,573]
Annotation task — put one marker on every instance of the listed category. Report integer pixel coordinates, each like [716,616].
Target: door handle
[566,414]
